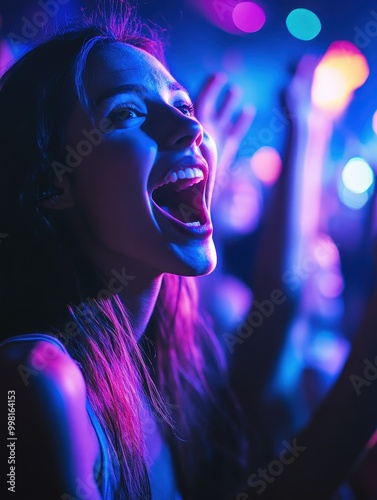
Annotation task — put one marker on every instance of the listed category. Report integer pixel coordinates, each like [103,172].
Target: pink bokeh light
[231,16]
[266,165]
[248,17]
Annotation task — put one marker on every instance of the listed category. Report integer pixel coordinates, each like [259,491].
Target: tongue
[181,203]
[184,213]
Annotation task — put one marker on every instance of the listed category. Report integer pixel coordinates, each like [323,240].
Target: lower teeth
[196,223]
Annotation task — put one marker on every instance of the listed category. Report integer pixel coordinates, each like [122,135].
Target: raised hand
[222,117]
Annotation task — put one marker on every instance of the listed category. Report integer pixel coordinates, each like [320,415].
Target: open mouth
[181,197]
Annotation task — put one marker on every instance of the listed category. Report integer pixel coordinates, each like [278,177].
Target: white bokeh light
[357,175]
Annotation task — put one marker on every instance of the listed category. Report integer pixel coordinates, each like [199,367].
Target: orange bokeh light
[340,72]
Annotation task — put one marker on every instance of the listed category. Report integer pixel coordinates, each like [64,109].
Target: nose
[180,131]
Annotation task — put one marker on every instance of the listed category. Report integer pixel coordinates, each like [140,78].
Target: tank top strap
[33,337]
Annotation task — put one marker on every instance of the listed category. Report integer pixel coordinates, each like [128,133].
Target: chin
[197,262]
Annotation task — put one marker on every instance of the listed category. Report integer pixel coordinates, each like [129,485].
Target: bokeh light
[351,199]
[239,208]
[330,283]
[374,122]
[266,165]
[327,351]
[325,251]
[357,175]
[232,301]
[232,16]
[356,183]
[248,17]
[244,209]
[342,70]
[303,24]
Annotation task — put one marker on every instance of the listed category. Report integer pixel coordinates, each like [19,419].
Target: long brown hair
[48,286]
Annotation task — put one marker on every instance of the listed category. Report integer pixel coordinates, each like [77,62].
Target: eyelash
[119,112]
[188,107]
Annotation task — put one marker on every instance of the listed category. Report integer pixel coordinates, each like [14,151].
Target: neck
[139,300]
[137,285]
[137,289]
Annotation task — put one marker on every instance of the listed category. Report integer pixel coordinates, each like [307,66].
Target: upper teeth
[187,173]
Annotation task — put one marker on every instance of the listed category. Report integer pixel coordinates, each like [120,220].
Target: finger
[298,92]
[229,105]
[235,136]
[243,123]
[206,101]
[306,66]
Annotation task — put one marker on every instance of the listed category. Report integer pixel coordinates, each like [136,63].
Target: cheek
[110,189]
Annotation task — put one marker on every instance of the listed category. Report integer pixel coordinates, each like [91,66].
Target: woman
[106,183]
[112,385]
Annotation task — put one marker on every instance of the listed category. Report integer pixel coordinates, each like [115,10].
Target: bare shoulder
[39,364]
[56,443]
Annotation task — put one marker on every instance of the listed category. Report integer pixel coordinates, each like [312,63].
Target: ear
[59,197]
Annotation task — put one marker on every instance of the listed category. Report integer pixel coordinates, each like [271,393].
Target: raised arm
[314,463]
[279,262]
[223,119]
[325,452]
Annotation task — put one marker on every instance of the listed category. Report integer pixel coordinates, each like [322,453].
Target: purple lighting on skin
[248,17]
[6,56]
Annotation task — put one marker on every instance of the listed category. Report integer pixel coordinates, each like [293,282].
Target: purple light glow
[231,16]
[374,122]
[239,209]
[330,284]
[6,57]
[232,300]
[248,17]
[325,251]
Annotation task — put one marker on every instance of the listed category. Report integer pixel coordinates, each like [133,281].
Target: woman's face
[142,185]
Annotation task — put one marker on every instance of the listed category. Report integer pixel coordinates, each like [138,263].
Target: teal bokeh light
[303,24]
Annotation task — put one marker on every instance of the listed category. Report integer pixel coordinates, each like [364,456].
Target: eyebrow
[132,88]
[177,86]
